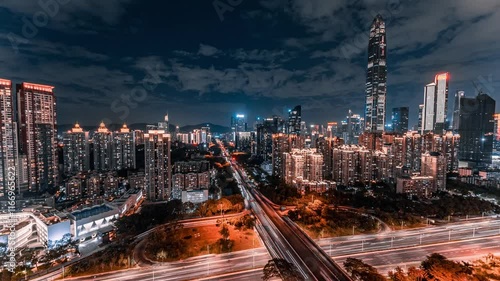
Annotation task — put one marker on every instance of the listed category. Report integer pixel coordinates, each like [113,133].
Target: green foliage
[319,217]
[167,242]
[281,268]
[245,222]
[115,256]
[149,217]
[228,204]
[279,192]
[362,271]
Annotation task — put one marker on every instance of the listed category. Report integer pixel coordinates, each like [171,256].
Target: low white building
[89,222]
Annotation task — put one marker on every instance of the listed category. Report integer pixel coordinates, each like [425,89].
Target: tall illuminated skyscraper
[294,120]
[36,108]
[8,140]
[102,141]
[456,110]
[376,77]
[435,105]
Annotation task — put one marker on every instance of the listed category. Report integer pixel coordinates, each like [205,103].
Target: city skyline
[315,141]
[194,66]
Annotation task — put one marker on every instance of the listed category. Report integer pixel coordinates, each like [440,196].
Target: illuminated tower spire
[376,77]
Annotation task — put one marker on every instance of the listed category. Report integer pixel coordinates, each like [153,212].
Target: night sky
[134,60]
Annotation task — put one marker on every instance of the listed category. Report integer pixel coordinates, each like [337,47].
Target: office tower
[238,123]
[76,150]
[8,140]
[164,124]
[456,110]
[351,128]
[37,133]
[264,137]
[476,129]
[376,77]
[434,165]
[158,169]
[281,144]
[400,119]
[123,149]
[103,146]
[420,118]
[294,120]
[435,105]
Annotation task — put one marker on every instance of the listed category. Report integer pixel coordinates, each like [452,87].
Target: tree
[224,232]
[362,271]
[398,275]
[281,268]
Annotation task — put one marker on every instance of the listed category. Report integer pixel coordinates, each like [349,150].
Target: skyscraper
[8,140]
[36,109]
[376,77]
[435,105]
[102,142]
[158,169]
[456,110]
[420,117]
[400,119]
[76,150]
[476,129]
[294,120]
[124,149]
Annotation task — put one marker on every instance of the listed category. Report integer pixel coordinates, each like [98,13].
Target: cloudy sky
[134,60]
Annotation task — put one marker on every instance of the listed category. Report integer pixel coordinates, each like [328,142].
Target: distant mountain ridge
[214,128]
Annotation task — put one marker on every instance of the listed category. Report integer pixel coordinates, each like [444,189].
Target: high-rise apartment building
[102,148]
[434,165]
[376,77]
[435,105]
[123,149]
[37,121]
[76,150]
[8,140]
[158,168]
[400,119]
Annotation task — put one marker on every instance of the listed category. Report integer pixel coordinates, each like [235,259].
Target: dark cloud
[264,56]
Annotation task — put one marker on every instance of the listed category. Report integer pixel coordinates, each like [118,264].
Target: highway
[297,248]
[347,245]
[194,268]
[465,250]
[247,265]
